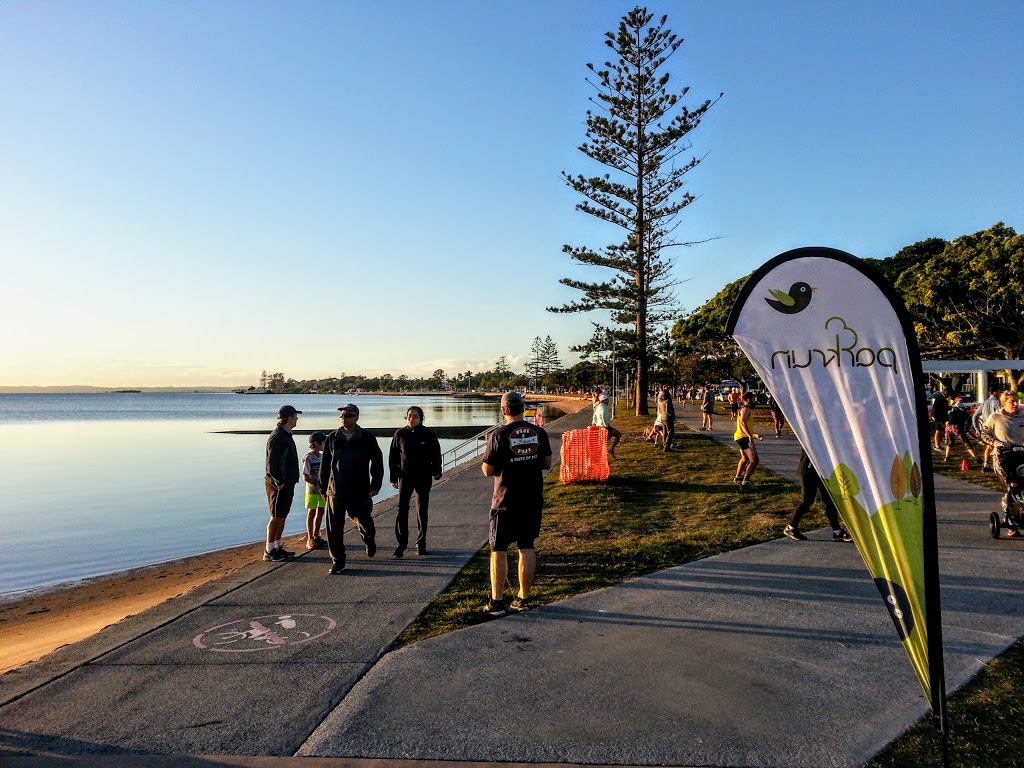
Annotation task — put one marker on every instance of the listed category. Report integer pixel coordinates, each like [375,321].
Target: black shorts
[279,500]
[734,407]
[508,526]
[743,443]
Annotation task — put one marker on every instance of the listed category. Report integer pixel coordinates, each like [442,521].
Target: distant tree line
[543,372]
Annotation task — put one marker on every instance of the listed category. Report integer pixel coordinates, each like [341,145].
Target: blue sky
[191,192]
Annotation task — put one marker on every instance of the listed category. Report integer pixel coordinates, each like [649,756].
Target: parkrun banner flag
[835,347]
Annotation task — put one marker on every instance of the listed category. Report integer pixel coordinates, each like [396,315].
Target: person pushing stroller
[1004,430]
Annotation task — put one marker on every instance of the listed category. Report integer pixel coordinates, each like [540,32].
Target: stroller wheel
[994,524]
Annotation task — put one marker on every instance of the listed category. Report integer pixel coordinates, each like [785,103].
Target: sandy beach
[41,622]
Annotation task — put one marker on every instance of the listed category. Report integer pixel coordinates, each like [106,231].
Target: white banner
[830,340]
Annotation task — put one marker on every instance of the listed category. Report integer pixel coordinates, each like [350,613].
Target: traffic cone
[963,465]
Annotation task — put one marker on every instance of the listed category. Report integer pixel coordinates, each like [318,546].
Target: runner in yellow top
[745,437]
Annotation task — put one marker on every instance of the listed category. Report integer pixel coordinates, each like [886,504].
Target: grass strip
[657,510]
[984,723]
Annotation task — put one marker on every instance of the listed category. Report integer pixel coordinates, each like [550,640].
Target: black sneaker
[747,486]
[371,548]
[399,553]
[841,535]
[793,533]
[421,550]
[336,568]
[270,555]
[737,479]
[520,605]
[285,554]
[494,608]
[986,468]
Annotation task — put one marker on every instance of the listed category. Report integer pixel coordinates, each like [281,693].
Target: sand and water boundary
[38,622]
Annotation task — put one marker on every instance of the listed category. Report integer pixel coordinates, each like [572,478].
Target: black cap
[350,407]
[512,400]
[317,437]
[286,412]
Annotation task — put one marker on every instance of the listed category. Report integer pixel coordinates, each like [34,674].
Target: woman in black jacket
[414,460]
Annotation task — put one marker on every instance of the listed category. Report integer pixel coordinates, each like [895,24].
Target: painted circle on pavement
[264,633]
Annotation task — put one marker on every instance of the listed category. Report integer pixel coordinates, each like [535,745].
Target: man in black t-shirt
[517,455]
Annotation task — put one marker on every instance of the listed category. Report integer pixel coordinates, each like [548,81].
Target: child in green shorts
[314,501]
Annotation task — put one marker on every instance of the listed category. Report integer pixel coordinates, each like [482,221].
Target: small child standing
[314,501]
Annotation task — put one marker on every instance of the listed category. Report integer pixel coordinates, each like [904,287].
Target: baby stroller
[1011,462]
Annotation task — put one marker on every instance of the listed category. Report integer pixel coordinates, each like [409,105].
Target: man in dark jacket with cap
[281,477]
[351,474]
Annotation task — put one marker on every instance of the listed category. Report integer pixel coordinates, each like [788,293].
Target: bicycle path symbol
[264,633]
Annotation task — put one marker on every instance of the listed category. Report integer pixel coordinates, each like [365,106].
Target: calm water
[98,483]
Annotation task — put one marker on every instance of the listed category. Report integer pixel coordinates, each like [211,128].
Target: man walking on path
[603,419]
[282,473]
[516,456]
[940,415]
[812,485]
[351,474]
[414,458]
[667,414]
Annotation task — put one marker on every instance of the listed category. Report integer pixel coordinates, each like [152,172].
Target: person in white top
[603,419]
[1005,428]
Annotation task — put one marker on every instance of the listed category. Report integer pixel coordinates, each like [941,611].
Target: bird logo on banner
[796,300]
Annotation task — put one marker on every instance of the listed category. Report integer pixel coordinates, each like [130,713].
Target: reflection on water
[94,484]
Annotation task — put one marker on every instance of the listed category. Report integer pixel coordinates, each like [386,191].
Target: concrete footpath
[775,655]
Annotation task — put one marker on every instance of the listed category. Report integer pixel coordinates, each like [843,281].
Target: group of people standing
[344,470]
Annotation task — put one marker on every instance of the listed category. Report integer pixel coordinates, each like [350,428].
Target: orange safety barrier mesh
[585,456]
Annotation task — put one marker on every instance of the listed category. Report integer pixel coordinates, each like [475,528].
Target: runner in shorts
[745,437]
[707,409]
[282,473]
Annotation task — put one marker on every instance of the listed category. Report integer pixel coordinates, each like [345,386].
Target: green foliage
[967,300]
[710,353]
[638,133]
[907,258]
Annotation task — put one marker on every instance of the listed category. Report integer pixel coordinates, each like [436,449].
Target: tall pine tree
[638,132]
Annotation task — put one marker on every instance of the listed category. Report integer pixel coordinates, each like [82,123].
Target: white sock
[270,546]
[277,544]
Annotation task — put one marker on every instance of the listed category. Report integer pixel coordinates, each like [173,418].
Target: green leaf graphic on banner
[898,480]
[846,481]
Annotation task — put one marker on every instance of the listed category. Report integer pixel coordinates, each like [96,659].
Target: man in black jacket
[351,474]
[414,458]
[281,477]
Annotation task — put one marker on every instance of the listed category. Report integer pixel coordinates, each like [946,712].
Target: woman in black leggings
[810,485]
